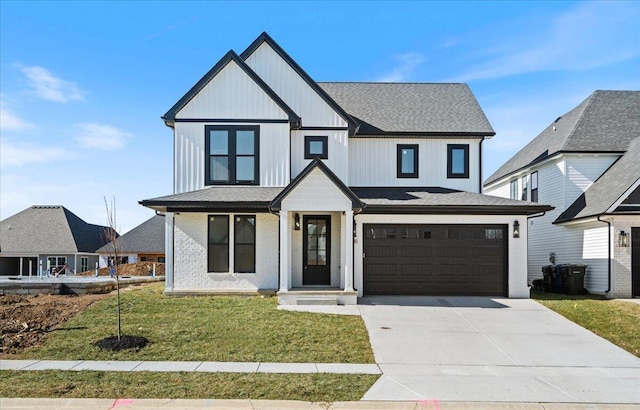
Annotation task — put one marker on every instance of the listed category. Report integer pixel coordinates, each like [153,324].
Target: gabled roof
[170,116]
[608,189]
[418,108]
[49,228]
[437,200]
[607,121]
[148,237]
[266,38]
[216,198]
[316,164]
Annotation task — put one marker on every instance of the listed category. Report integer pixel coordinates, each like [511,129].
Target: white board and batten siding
[373,162]
[293,89]
[316,193]
[337,143]
[190,155]
[190,267]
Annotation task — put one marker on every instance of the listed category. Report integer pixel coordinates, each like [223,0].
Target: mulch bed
[126,342]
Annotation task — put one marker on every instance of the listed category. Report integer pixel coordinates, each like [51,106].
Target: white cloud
[10,121]
[51,88]
[101,136]
[23,154]
[405,65]
[572,41]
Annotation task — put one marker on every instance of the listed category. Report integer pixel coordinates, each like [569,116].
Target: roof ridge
[589,101]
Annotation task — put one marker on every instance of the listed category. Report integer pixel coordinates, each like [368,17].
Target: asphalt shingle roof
[607,121]
[411,107]
[216,196]
[607,189]
[49,228]
[148,237]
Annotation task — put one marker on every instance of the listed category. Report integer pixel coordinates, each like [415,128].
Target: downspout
[609,253]
[480,168]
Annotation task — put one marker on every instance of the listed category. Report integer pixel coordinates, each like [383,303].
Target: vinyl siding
[582,171]
[232,94]
[337,150]
[293,90]
[373,162]
[316,193]
[190,156]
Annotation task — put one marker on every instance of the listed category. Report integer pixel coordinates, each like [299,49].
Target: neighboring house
[586,164]
[144,243]
[323,192]
[48,237]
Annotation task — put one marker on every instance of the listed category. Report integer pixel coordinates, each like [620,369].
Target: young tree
[111,236]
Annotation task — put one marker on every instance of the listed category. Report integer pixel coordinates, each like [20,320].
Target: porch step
[317,300]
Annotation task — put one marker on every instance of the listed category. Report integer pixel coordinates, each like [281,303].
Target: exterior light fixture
[296,222]
[516,229]
[623,239]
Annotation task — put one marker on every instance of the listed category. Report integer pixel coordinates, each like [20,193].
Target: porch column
[168,247]
[285,273]
[348,247]
[21,265]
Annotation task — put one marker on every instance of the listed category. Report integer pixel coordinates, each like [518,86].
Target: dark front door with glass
[316,257]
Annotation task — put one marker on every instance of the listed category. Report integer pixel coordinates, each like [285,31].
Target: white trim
[623,196]
[168,245]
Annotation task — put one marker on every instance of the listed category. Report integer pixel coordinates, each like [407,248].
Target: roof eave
[457,209]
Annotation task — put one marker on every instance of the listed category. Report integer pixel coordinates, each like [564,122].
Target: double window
[407,157]
[84,263]
[316,146]
[524,188]
[244,240]
[232,155]
[458,161]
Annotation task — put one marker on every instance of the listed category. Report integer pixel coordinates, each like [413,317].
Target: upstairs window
[513,189]
[232,155]
[407,161]
[316,146]
[524,188]
[458,161]
[534,186]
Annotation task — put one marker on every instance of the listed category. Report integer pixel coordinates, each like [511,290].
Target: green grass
[203,328]
[85,384]
[616,321]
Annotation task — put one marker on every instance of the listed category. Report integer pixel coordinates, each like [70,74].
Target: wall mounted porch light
[623,239]
[296,222]
[516,229]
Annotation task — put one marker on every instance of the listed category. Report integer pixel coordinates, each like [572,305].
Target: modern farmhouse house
[323,192]
[587,165]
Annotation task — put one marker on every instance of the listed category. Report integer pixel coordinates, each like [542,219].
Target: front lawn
[614,320]
[179,385]
[204,328]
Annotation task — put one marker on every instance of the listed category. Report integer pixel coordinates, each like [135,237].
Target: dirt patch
[130,269]
[25,321]
[125,342]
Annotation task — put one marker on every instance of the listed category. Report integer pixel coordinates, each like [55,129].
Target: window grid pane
[245,244]
[218,249]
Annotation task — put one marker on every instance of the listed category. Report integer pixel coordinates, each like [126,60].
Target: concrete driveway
[490,349]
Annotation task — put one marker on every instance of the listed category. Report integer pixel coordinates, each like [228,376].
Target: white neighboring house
[324,192]
[587,165]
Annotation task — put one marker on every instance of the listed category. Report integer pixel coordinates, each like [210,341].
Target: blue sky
[83,84]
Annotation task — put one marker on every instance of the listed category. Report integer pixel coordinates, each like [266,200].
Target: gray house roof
[607,189]
[148,237]
[607,121]
[441,200]
[419,108]
[216,198]
[49,228]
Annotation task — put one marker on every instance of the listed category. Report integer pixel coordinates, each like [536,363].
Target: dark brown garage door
[456,260]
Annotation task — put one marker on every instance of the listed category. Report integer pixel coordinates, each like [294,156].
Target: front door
[635,261]
[316,258]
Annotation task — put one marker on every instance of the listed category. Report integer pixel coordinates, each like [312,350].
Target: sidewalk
[211,367]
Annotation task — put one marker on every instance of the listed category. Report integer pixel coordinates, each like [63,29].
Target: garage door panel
[435,260]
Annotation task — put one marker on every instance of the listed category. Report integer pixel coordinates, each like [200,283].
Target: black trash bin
[574,279]
[547,284]
[557,275]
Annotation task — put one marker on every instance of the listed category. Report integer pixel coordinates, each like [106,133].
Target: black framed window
[524,188]
[232,155]
[457,160]
[218,250]
[534,186]
[316,146]
[244,231]
[407,156]
[513,189]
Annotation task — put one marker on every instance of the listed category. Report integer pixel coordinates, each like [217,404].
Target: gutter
[609,254]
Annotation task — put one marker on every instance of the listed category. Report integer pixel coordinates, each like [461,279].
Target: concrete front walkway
[210,367]
[491,350]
